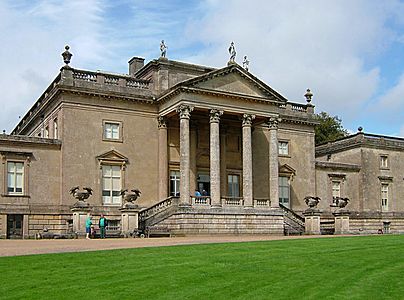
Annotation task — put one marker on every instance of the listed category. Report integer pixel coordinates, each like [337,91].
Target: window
[284,191]
[55,129]
[111,184]
[385,196]
[336,189]
[283,148]
[112,131]
[175,183]
[233,185]
[15,178]
[46,132]
[114,225]
[384,162]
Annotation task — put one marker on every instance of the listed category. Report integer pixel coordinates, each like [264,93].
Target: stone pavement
[27,247]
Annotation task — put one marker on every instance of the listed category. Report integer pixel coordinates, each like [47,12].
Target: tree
[329,129]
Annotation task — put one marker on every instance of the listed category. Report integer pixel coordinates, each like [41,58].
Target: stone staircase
[158,212]
[293,223]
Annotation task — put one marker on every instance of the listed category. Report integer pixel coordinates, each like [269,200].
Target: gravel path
[27,247]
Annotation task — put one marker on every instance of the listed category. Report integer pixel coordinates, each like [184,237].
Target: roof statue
[163,49]
[232,52]
[246,63]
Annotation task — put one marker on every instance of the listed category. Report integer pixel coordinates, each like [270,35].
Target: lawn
[362,267]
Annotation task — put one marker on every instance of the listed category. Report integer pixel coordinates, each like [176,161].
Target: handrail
[156,208]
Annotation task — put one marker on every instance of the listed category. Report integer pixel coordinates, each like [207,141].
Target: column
[215,157]
[163,158]
[247,160]
[193,170]
[223,164]
[184,112]
[273,162]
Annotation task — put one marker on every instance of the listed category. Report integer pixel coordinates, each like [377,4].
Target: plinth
[312,221]
[80,211]
[129,219]
[341,221]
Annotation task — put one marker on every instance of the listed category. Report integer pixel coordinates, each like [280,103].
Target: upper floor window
[46,132]
[283,148]
[15,178]
[385,196]
[384,161]
[111,184]
[55,129]
[112,131]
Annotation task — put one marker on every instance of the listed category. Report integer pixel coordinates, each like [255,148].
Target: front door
[14,226]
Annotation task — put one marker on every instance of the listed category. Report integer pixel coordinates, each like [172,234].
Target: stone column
[3,226]
[312,221]
[273,162]
[341,221]
[163,158]
[223,164]
[193,170]
[184,112]
[215,157]
[247,160]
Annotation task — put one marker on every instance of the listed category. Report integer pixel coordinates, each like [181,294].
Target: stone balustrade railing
[232,201]
[297,107]
[262,202]
[200,200]
[158,207]
[108,79]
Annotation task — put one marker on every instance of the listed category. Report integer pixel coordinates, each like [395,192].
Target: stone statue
[163,49]
[232,52]
[312,201]
[81,195]
[340,202]
[246,63]
[130,197]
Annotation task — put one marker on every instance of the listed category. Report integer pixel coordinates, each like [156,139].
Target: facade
[170,129]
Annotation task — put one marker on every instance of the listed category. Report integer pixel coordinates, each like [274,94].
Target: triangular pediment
[112,155]
[287,170]
[234,80]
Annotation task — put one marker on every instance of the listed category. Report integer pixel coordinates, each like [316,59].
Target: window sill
[113,140]
[15,196]
[284,155]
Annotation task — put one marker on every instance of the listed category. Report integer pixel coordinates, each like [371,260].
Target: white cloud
[293,45]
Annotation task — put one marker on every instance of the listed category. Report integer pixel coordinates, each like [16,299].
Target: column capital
[273,122]
[162,122]
[215,115]
[184,111]
[247,119]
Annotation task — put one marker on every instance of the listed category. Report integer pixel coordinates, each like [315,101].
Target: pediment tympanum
[112,157]
[286,170]
[233,80]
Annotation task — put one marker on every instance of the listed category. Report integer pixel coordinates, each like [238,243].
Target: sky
[350,53]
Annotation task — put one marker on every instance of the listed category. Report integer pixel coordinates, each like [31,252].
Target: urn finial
[67,55]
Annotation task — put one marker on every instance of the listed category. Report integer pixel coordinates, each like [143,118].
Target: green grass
[370,267]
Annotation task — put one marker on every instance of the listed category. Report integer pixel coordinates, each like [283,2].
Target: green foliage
[330,128]
[361,267]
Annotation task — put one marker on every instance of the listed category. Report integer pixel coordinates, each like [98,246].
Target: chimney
[135,64]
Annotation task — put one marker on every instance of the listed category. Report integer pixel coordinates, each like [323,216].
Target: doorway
[14,226]
[203,184]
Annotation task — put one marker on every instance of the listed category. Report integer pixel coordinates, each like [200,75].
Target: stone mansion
[213,151]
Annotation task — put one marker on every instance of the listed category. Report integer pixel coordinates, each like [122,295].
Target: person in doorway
[197,193]
[204,193]
[102,223]
[89,222]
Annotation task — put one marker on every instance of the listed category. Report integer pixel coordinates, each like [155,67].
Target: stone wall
[199,222]
[57,224]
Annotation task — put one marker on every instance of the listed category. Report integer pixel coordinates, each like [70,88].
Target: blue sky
[350,53]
